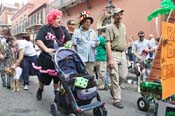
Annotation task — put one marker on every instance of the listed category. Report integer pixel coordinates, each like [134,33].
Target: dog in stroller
[77,89]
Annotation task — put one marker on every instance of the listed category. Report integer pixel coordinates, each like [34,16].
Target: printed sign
[167,60]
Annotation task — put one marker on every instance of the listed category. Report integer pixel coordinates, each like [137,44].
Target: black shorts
[45,61]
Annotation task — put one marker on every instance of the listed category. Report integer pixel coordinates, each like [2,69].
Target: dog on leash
[14,75]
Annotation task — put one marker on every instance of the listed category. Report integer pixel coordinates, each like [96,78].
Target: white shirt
[152,42]
[29,50]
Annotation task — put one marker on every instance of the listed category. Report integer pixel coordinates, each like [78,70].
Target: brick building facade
[135,15]
[6,12]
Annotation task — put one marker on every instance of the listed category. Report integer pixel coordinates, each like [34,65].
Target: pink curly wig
[52,15]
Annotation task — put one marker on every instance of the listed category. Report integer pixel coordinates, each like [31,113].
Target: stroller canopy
[69,62]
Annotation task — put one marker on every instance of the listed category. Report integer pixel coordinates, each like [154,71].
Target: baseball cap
[117,10]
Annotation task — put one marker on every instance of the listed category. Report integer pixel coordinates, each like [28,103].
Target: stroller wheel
[101,111]
[143,104]
[53,109]
[105,112]
[72,115]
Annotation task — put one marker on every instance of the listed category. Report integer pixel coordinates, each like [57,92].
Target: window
[25,23]
[41,17]
[29,21]
[17,28]
[34,19]
[38,17]
[20,26]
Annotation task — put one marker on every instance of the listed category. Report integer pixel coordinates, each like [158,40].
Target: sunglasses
[5,29]
[73,24]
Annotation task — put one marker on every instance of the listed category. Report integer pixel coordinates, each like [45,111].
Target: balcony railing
[64,3]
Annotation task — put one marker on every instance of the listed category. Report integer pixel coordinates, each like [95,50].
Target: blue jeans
[27,67]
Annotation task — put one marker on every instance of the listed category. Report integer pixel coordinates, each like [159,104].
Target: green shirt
[101,49]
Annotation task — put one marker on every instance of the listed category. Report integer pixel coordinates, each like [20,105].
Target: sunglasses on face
[5,30]
[72,24]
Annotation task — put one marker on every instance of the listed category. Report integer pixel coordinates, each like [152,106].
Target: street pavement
[24,103]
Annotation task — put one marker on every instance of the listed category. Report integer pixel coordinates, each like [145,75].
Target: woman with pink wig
[49,38]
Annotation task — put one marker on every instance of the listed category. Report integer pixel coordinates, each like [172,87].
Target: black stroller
[78,89]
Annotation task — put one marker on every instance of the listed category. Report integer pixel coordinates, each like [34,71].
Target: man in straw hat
[116,44]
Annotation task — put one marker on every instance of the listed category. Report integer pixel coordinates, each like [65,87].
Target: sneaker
[104,88]
[118,105]
[39,94]
[26,87]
